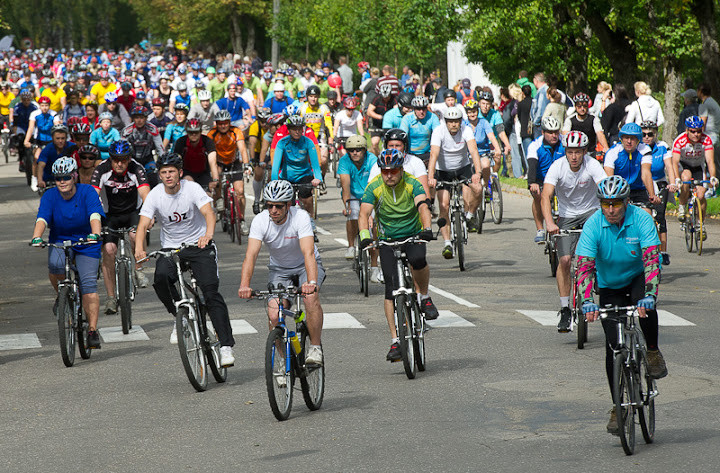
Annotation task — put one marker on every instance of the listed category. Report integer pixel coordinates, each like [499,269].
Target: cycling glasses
[391,171]
[649,135]
[616,204]
[275,206]
[350,150]
[692,130]
[66,177]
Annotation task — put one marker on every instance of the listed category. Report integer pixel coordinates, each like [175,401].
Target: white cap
[279,86]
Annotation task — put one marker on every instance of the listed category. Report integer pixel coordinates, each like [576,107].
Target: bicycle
[315,197]
[458,224]
[361,264]
[339,145]
[5,142]
[125,283]
[492,196]
[231,215]
[575,297]
[634,390]
[285,356]
[71,320]
[549,243]
[694,230]
[199,346]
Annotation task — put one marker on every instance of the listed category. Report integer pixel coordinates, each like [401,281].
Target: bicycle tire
[553,258]
[280,397]
[689,227]
[312,383]
[496,204]
[237,221]
[364,273]
[212,352]
[191,351]
[419,340]
[123,292]
[581,322]
[28,162]
[316,197]
[66,329]
[699,229]
[646,387]
[83,327]
[405,336]
[458,239]
[624,410]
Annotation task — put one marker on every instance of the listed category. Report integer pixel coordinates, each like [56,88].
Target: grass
[512,181]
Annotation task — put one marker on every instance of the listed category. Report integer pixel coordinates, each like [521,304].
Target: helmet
[276,119]
[405,99]
[267,75]
[313,90]
[181,107]
[391,159]
[292,109]
[349,103]
[471,105]
[105,116]
[64,166]
[121,149]
[126,85]
[80,129]
[111,97]
[181,86]
[363,65]
[72,121]
[613,187]
[575,139]
[158,101]
[385,89]
[649,124]
[58,129]
[138,110]
[222,116]
[693,122]
[331,95]
[295,121]
[300,94]
[89,149]
[140,94]
[210,70]
[356,141]
[204,95]
[170,159]
[25,94]
[278,191]
[103,75]
[193,125]
[420,101]
[264,113]
[631,129]
[550,124]
[581,97]
[454,113]
[395,134]
[486,95]
[449,93]
[44,99]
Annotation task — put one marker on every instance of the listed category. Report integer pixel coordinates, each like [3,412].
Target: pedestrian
[645,107]
[690,109]
[614,115]
[709,112]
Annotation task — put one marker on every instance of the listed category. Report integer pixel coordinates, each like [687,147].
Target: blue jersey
[659,151]
[358,177]
[494,118]
[43,124]
[21,115]
[617,249]
[419,131]
[187,100]
[482,132]
[103,140]
[70,219]
[392,118]
[628,166]
[294,160]
[173,132]
[235,107]
[277,106]
[49,155]
[545,155]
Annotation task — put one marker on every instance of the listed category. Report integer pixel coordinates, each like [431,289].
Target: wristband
[365,235]
[314,283]
[678,181]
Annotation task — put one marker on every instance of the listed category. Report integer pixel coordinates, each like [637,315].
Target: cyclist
[203,111]
[60,146]
[496,122]
[119,181]
[176,128]
[657,168]
[319,120]
[542,152]
[20,121]
[294,259]
[619,246]
[229,142]
[453,151]
[40,123]
[73,212]
[258,158]
[347,124]
[484,135]
[57,96]
[583,121]
[160,118]
[387,90]
[625,160]
[574,182]
[236,106]
[419,127]
[87,156]
[449,101]
[278,101]
[181,95]
[185,214]
[121,118]
[80,135]
[104,135]
[102,87]
[401,211]
[693,154]
[393,118]
[199,156]
[145,139]
[73,108]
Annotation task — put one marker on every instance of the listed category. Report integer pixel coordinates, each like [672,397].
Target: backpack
[465,98]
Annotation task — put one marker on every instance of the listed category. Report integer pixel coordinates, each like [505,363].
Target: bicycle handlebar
[628,309]
[167,253]
[66,244]
[118,231]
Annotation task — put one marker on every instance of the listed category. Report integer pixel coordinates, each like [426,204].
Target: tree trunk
[250,27]
[576,71]
[235,34]
[704,11]
[307,49]
[673,87]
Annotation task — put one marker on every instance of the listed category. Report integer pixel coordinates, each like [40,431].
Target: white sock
[565,301]
[395,340]
[468,215]
[448,243]
[33,180]
[257,189]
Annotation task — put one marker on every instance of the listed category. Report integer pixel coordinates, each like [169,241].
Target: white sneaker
[142,280]
[314,356]
[540,237]
[226,357]
[33,184]
[243,228]
[381,278]
[173,336]
[375,274]
[681,212]
[350,253]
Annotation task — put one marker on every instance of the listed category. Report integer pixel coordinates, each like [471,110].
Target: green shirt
[395,211]
[217,89]
[324,88]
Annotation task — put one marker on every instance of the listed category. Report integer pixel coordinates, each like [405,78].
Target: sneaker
[665,259]
[314,356]
[375,274]
[447,252]
[472,225]
[656,364]
[350,253]
[93,339]
[111,306]
[244,228]
[612,425]
[226,357]
[323,188]
[565,315]
[33,184]
[256,207]
[429,309]
[681,213]
[315,237]
[704,233]
[540,237]
[142,280]
[21,166]
[173,336]
[394,353]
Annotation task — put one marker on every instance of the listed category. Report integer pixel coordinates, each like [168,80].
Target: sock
[257,189]
[424,296]
[468,215]
[395,340]
[565,301]
[448,243]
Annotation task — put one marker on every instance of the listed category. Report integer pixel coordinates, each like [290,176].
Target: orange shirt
[226,143]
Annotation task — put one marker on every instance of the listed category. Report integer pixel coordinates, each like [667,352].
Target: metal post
[274,51]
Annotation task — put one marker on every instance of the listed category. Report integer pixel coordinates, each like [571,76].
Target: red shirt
[282,132]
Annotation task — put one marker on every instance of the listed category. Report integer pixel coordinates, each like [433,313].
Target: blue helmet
[694,122]
[391,159]
[631,129]
[121,148]
[613,187]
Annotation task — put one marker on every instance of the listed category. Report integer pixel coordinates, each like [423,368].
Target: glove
[426,235]
[647,302]
[36,241]
[589,307]
[364,243]
[93,237]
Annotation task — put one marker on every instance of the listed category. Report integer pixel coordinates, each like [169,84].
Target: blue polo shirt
[481,131]
[235,107]
[49,155]
[358,177]
[617,250]
[392,118]
[493,117]
[419,131]
[659,151]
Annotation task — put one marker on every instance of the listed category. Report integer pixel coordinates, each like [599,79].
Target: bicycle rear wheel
[582,325]
[553,258]
[191,351]
[27,163]
[82,330]
[279,375]
[624,409]
[480,212]
[699,228]
[496,204]
[313,383]
[419,341]
[316,196]
[66,322]
[646,410]
[458,240]
[123,292]
[405,335]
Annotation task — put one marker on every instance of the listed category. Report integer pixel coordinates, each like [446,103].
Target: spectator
[523,81]
[540,101]
[614,116]
[513,95]
[439,91]
[465,93]
[368,87]
[644,108]
[555,108]
[346,74]
[405,77]
[690,109]
[526,133]
[602,99]
[710,113]
[431,86]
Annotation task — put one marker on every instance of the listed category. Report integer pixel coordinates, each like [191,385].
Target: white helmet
[278,191]
[64,166]
[111,97]
[575,139]
[204,95]
[550,123]
[453,113]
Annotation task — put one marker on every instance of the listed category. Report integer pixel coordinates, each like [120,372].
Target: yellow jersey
[257,131]
[99,91]
[317,118]
[55,103]
[5,100]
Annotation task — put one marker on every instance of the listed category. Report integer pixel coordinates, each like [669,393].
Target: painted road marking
[340,320]
[321,230]
[342,241]
[19,341]
[549,317]
[115,334]
[449,319]
[241,327]
[453,297]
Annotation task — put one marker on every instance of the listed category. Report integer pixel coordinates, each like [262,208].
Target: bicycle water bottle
[295,342]
[300,317]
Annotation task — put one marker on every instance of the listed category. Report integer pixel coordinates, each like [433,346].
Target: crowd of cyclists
[154,135]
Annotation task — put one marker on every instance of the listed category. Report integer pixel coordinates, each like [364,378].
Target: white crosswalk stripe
[448,318]
[550,318]
[19,341]
[115,334]
[241,327]
[340,320]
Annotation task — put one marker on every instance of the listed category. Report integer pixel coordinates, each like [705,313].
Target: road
[502,392]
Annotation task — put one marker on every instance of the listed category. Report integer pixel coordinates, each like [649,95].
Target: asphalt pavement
[503,391]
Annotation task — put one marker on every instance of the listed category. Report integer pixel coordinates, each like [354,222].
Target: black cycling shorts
[697,172]
[235,167]
[305,191]
[464,172]
[203,178]
[119,221]
[416,257]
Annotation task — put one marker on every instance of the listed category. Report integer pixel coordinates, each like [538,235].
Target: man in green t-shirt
[218,85]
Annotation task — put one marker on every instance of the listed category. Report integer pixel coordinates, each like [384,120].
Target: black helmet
[170,159]
[405,99]
[313,90]
[395,134]
[449,93]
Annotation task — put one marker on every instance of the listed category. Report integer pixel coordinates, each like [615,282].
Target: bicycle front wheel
[699,228]
[582,325]
[316,195]
[419,341]
[123,292]
[405,335]
[624,399]
[27,163]
[66,329]
[237,220]
[553,258]
[480,212]
[496,205]
[458,239]
[191,351]
[279,375]
[81,331]
[313,383]
[646,409]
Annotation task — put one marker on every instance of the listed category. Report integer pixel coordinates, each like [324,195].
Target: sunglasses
[649,135]
[697,132]
[614,204]
[390,170]
[581,104]
[275,206]
[87,158]
[354,150]
[63,178]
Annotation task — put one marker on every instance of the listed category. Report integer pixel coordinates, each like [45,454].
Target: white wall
[459,68]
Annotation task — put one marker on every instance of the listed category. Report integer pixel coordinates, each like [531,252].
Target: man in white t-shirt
[451,146]
[294,258]
[574,181]
[186,216]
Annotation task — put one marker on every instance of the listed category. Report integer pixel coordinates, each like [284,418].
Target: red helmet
[80,129]
[363,65]
[44,99]
[193,125]
[72,121]
[158,101]
[349,103]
